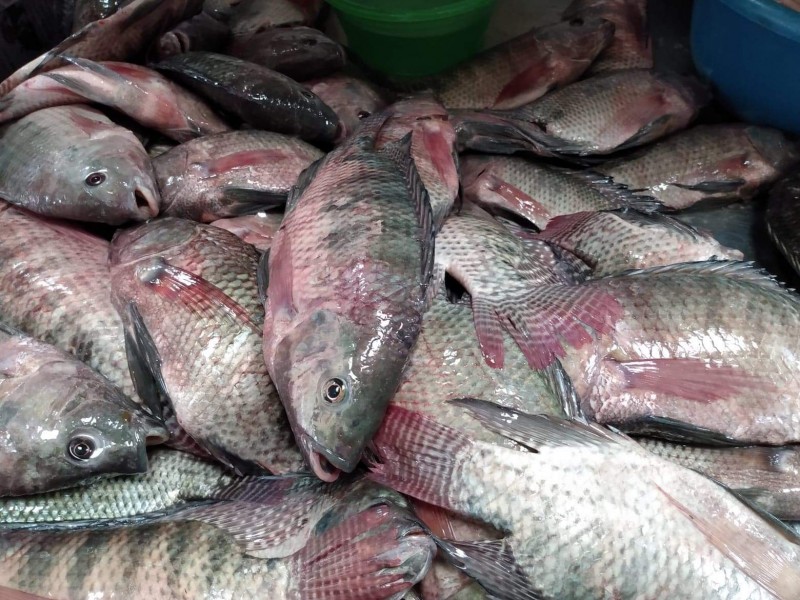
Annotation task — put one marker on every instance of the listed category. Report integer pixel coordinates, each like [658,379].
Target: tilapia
[298,52]
[707,161]
[188,296]
[525,68]
[63,424]
[603,114]
[538,192]
[87,11]
[251,17]
[630,48]
[122,36]
[287,541]
[55,286]
[610,242]
[574,508]
[783,218]
[709,344]
[71,162]
[258,230]
[258,96]
[140,93]
[201,32]
[351,98]
[767,476]
[230,174]
[514,286]
[336,339]
[432,148]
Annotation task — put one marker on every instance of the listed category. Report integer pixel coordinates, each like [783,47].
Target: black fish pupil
[81,449]
[363,114]
[334,390]
[95,179]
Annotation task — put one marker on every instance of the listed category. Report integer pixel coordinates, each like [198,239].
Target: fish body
[230,174]
[259,96]
[188,295]
[610,242]
[201,32]
[352,99]
[707,161]
[50,273]
[782,219]
[631,47]
[539,192]
[258,230]
[87,11]
[63,424]
[706,344]
[572,534]
[298,52]
[251,17]
[525,68]
[71,162]
[336,339]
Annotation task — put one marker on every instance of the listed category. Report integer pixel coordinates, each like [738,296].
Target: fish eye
[576,22]
[334,390]
[95,179]
[363,114]
[81,448]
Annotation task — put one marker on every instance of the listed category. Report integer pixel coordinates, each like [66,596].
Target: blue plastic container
[750,51]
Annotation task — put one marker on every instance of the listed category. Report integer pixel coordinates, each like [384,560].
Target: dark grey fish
[201,32]
[783,218]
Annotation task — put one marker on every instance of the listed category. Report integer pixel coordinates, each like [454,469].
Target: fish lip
[316,458]
[154,431]
[146,202]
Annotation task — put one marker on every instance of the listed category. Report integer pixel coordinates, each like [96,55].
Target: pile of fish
[273,326]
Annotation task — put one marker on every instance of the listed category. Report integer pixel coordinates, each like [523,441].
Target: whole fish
[258,230]
[432,148]
[336,339]
[257,95]
[610,242]
[62,423]
[201,32]
[188,296]
[574,507]
[765,475]
[72,162]
[87,11]
[287,541]
[298,52]
[123,36]
[707,161]
[526,67]
[230,174]
[603,114]
[351,98]
[538,192]
[172,481]
[630,48]
[55,286]
[710,344]
[783,212]
[251,17]
[138,92]
[514,286]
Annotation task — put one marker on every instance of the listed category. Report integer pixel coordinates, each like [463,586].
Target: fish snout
[146,202]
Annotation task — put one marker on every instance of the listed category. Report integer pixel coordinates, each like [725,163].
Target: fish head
[325,121]
[352,99]
[335,379]
[577,38]
[773,147]
[150,239]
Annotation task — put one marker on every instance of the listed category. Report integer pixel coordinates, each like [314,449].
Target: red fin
[518,91]
[435,518]
[693,379]
[563,226]
[490,337]
[246,158]
[417,455]
[439,148]
[195,293]
[377,553]
[504,195]
[279,290]
[9,594]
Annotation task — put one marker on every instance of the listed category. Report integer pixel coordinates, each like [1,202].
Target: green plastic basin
[413,38]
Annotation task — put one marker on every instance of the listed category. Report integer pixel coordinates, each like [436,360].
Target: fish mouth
[146,203]
[154,431]
[318,461]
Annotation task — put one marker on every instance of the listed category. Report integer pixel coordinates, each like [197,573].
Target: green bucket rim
[356,9]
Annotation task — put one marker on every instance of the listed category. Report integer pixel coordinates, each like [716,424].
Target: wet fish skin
[539,192]
[172,480]
[336,340]
[526,67]
[301,53]
[201,32]
[87,11]
[680,353]
[782,218]
[188,296]
[258,230]
[93,169]
[351,98]
[630,48]
[63,424]
[251,17]
[766,475]
[593,553]
[707,161]
[365,546]
[49,273]
[259,96]
[610,242]
[230,174]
